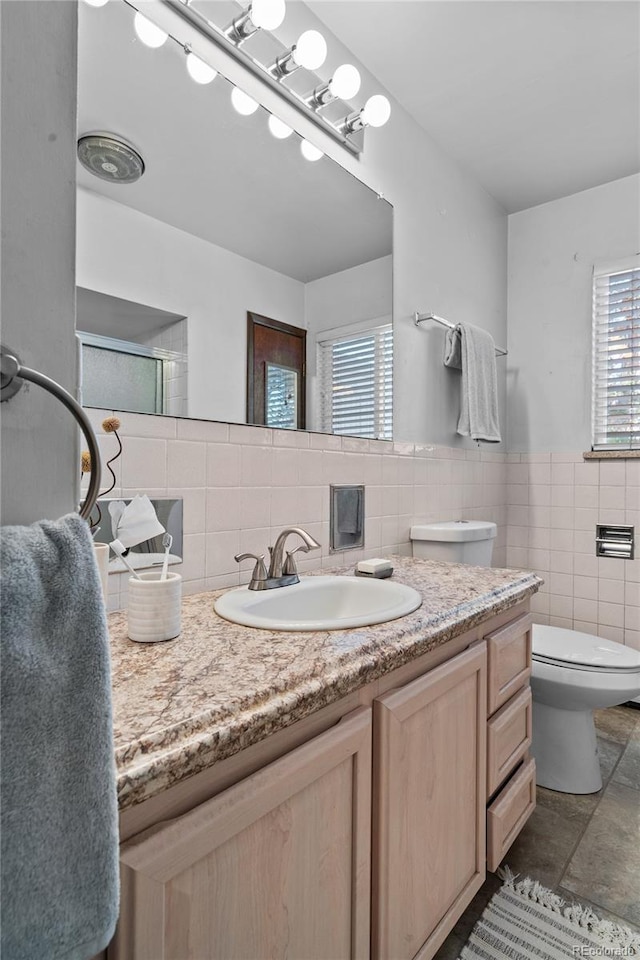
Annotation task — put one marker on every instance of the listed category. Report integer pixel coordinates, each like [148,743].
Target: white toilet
[573,673]
[456,541]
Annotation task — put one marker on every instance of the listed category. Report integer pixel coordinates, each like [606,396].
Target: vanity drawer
[509,661]
[508,738]
[509,812]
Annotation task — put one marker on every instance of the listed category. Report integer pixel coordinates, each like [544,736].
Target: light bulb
[199,71]
[310,152]
[243,103]
[148,32]
[279,129]
[267,14]
[376,111]
[345,82]
[311,50]
[96,3]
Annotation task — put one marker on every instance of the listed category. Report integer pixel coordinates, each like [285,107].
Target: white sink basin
[319,603]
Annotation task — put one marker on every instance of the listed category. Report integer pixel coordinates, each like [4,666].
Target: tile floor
[585,848]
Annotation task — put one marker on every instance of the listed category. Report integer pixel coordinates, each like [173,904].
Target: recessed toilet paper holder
[615,540]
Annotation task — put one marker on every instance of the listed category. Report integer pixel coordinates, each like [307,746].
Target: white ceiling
[537,99]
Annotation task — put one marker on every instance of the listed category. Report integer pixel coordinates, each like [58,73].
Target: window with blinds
[355,375]
[616,356]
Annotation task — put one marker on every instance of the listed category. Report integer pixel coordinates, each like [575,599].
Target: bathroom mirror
[149,553]
[227,220]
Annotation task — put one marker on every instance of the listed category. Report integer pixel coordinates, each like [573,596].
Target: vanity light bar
[309,52]
[201,72]
[348,133]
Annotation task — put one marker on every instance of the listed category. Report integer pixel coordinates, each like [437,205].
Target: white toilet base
[565,749]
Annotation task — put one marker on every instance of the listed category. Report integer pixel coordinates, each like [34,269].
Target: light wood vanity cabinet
[276,866]
[429,808]
[508,738]
[509,652]
[363,838]
[511,773]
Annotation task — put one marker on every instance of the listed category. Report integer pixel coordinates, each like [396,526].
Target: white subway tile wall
[241,485]
[173,338]
[554,503]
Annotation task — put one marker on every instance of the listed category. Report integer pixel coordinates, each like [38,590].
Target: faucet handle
[289,566]
[259,571]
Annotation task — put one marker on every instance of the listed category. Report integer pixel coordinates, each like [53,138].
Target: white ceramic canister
[101,552]
[154,606]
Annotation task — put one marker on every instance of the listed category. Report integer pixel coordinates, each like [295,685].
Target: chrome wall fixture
[259,15]
[419,318]
[12,377]
[308,53]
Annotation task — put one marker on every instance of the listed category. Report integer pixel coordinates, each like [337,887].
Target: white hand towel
[473,351]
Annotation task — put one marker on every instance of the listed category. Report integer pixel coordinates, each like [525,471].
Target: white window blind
[616,356]
[356,383]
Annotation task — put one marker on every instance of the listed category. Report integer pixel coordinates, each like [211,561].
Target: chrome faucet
[278,569]
[282,571]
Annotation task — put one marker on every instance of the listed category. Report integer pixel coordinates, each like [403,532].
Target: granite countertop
[182,705]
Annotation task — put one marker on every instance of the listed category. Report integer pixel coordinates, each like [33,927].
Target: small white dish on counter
[319,603]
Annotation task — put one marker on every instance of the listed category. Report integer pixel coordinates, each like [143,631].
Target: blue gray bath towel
[59,865]
[472,350]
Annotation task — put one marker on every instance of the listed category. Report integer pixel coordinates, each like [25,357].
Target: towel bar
[419,318]
[13,373]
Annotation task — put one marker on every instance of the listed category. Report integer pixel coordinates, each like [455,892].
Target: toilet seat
[582,667]
[572,675]
[582,651]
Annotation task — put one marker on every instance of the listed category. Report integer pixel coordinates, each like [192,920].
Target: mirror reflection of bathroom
[133,357]
[217,221]
[149,553]
[281,392]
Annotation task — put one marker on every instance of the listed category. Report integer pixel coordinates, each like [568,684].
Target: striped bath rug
[525,921]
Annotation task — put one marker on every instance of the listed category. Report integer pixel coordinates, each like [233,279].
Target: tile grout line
[605,784]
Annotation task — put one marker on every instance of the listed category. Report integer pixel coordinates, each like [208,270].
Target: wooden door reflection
[276,355]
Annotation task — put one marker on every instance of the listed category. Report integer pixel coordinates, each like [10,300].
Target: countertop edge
[155,769]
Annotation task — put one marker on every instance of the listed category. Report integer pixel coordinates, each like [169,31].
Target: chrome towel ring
[12,375]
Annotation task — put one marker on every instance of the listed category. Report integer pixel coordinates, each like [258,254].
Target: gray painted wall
[40,445]
[552,252]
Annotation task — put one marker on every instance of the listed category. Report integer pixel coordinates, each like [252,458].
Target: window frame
[328,338]
[601,442]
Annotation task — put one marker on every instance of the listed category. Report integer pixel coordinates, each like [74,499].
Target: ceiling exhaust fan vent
[110,158]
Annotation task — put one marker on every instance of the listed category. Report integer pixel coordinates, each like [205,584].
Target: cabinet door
[276,866]
[429,806]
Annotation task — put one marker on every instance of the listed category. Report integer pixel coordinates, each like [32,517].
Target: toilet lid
[565,647]
[454,531]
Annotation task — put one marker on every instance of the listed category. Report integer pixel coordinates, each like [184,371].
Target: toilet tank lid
[456,531]
[561,645]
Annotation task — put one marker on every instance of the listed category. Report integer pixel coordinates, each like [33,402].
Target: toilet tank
[457,541]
